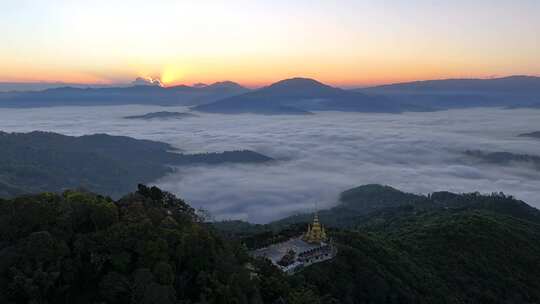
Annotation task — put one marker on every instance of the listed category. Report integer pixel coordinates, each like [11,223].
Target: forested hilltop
[378,204]
[397,247]
[151,247]
[111,165]
[148,247]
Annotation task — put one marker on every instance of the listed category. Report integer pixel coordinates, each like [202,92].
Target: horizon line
[194,83]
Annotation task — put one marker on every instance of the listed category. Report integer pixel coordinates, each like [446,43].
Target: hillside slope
[462,257]
[371,203]
[151,247]
[148,247]
[396,247]
[113,165]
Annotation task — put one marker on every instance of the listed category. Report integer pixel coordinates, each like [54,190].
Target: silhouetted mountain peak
[225,85]
[299,83]
[199,85]
[373,197]
[299,96]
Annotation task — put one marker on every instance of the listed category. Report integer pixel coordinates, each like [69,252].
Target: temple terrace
[293,255]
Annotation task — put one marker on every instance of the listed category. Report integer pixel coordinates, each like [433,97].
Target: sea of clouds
[318,156]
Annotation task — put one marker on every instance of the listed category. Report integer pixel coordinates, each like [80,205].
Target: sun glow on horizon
[172,75]
[342,42]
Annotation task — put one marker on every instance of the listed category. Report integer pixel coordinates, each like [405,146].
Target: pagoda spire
[315,232]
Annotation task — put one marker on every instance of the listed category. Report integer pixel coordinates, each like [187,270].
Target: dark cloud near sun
[146,81]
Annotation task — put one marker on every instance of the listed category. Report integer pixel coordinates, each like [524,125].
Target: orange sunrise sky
[343,43]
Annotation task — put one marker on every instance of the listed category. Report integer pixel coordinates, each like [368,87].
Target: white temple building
[293,255]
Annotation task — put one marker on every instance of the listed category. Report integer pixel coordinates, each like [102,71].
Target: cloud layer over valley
[318,156]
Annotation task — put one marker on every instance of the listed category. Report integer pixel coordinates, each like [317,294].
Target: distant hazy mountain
[226,85]
[114,165]
[505,158]
[144,93]
[300,96]
[376,205]
[456,93]
[40,86]
[532,134]
[161,115]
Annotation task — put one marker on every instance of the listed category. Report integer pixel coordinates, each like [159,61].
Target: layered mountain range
[300,96]
[513,91]
[137,94]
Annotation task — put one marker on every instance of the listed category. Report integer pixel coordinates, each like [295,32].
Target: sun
[171,75]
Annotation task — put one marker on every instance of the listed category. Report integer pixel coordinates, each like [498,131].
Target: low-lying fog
[320,155]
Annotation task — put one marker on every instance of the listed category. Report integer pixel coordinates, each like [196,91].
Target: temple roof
[276,251]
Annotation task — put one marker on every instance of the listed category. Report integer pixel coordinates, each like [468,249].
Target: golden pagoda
[315,232]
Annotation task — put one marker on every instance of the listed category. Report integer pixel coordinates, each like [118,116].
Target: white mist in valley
[317,156]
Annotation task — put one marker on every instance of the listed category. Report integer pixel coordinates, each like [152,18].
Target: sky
[256,42]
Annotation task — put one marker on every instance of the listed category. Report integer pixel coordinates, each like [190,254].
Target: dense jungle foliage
[152,247]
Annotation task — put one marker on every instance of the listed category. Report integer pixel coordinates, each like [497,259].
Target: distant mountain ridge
[152,94]
[298,96]
[301,96]
[161,115]
[535,134]
[519,82]
[372,204]
[40,86]
[114,165]
[512,91]
[505,158]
